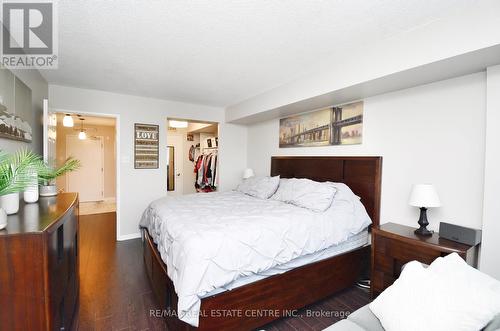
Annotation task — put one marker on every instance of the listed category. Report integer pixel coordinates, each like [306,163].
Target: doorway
[88,181]
[192,156]
[92,140]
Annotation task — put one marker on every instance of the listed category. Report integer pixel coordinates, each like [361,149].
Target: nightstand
[394,245]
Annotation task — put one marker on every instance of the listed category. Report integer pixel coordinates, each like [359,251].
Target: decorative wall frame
[146,146]
[339,125]
[15,104]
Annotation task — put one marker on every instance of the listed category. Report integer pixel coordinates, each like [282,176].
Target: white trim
[45,130]
[117,142]
[118,178]
[129,236]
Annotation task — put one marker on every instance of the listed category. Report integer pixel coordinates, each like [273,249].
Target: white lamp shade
[424,195]
[82,135]
[248,173]
[68,121]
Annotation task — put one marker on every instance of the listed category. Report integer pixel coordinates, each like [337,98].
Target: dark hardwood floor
[115,292]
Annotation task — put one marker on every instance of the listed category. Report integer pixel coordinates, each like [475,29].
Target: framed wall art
[146,146]
[339,125]
[15,104]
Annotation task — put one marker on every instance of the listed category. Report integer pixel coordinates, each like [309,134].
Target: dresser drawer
[38,265]
[389,257]
[394,245]
[391,254]
[63,261]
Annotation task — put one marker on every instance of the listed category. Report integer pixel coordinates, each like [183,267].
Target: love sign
[146,146]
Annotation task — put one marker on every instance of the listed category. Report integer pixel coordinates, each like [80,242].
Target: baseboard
[109,200]
[105,200]
[129,236]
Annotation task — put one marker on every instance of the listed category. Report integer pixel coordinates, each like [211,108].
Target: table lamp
[248,173]
[424,196]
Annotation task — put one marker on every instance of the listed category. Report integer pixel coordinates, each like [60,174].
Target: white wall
[490,247]
[39,91]
[233,146]
[428,134]
[137,188]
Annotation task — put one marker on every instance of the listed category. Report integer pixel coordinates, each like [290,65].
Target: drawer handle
[60,242]
[62,315]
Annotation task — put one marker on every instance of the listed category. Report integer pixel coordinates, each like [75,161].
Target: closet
[193,160]
[206,164]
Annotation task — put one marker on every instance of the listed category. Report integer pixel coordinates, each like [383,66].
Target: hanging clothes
[192,151]
[205,168]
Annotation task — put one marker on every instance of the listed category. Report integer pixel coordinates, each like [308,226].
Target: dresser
[39,279]
[394,245]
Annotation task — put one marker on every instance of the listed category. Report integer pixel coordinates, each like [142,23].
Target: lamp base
[422,221]
[423,232]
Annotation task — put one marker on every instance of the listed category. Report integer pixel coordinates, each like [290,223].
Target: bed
[254,299]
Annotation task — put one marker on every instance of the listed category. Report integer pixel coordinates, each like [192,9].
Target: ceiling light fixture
[82,135]
[178,124]
[68,121]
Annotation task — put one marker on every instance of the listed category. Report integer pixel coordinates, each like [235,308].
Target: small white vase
[3,219]
[10,203]
[31,194]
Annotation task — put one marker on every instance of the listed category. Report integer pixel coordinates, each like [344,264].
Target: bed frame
[253,305]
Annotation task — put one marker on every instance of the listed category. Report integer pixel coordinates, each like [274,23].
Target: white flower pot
[31,194]
[10,203]
[3,219]
[48,190]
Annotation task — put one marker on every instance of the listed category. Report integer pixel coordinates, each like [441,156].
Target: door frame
[189,120]
[101,141]
[117,161]
[176,166]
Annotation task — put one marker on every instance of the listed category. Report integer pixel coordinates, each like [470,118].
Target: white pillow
[306,193]
[448,295]
[259,187]
[347,205]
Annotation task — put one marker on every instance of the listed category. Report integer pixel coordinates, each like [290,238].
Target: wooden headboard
[362,174]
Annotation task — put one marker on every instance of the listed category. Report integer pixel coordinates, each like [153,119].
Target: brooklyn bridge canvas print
[339,125]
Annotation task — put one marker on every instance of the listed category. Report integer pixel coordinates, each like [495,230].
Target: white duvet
[209,240]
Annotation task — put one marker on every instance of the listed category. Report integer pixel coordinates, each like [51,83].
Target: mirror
[170,169]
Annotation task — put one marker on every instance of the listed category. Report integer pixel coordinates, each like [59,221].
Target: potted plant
[15,176]
[47,176]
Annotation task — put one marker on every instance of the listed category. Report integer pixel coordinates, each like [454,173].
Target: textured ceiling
[219,52]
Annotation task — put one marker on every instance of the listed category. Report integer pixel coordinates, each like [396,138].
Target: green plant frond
[48,174]
[17,170]
[3,156]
